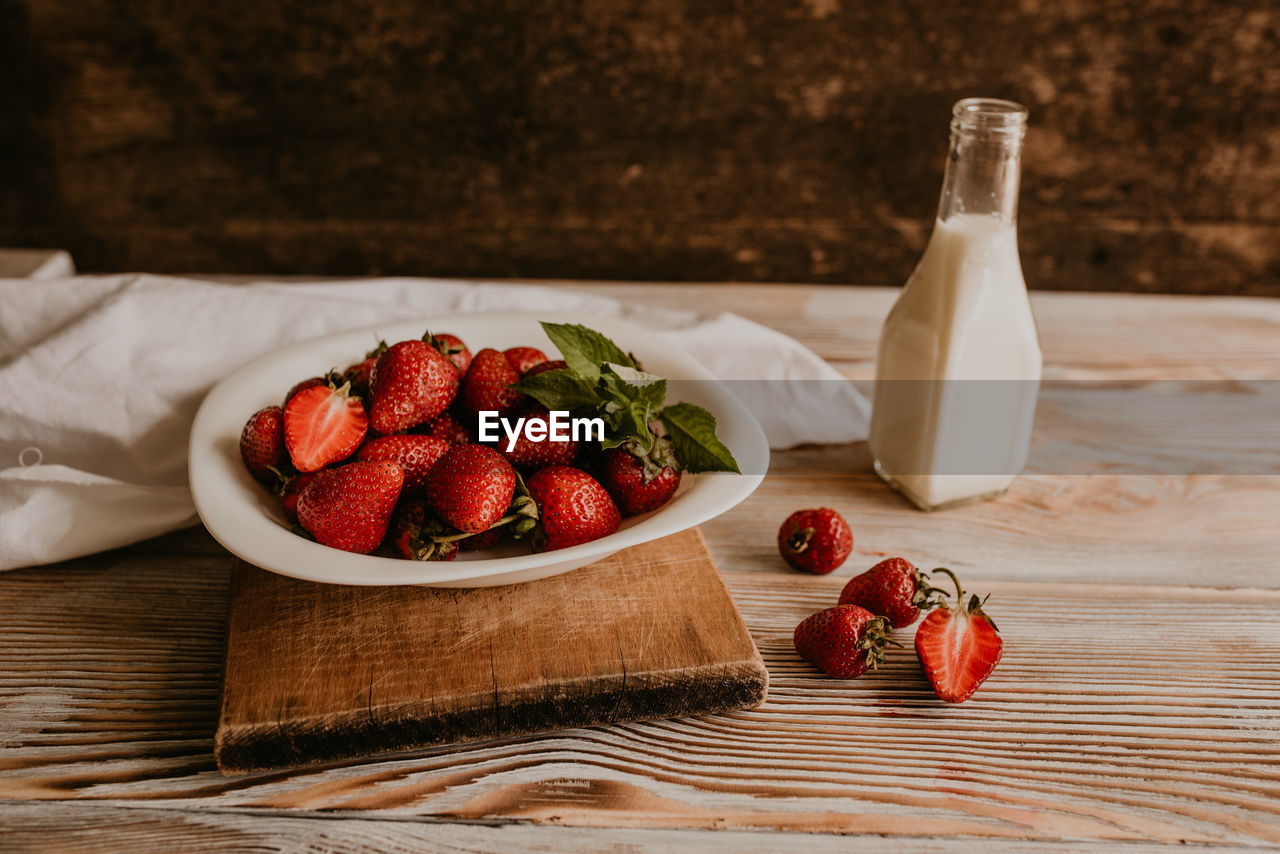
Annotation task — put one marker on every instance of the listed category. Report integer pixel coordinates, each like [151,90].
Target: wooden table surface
[1138,703]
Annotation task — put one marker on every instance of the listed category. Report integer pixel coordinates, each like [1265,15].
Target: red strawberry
[471,487]
[289,490]
[323,425]
[359,373]
[348,508]
[445,426]
[482,541]
[892,588]
[640,483]
[815,541]
[262,443]
[410,533]
[414,454]
[452,348]
[310,382]
[845,641]
[543,367]
[528,455]
[524,359]
[487,386]
[411,383]
[958,646]
[572,507]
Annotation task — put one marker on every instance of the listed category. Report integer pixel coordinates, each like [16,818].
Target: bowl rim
[268,544]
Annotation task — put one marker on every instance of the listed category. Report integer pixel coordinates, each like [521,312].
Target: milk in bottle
[958,366]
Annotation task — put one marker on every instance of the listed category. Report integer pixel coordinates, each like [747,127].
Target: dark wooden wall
[656,139]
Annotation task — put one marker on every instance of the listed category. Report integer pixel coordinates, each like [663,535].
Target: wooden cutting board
[319,672]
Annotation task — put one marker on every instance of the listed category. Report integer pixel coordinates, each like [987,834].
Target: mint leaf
[585,349]
[649,388]
[692,431]
[560,389]
[631,397]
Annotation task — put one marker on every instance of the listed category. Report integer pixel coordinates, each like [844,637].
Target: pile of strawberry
[958,645]
[382,457]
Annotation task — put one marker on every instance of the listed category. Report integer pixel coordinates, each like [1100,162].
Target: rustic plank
[761,141]
[319,672]
[1137,705]
[1091,728]
[1084,336]
[83,829]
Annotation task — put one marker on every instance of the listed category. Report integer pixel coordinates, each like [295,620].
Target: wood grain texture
[793,141]
[1138,704]
[1090,728]
[319,672]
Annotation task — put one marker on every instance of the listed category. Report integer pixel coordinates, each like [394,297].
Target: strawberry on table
[637,481]
[844,642]
[958,646]
[414,454]
[262,443]
[323,424]
[348,508]
[816,541]
[470,487]
[573,507]
[524,359]
[528,455]
[892,588]
[452,348]
[411,383]
[487,386]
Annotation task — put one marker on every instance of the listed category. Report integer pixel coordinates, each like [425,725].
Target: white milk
[958,368]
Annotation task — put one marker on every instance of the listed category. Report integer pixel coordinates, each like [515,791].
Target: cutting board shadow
[318,672]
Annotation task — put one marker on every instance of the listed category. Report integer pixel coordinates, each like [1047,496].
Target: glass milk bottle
[959,362]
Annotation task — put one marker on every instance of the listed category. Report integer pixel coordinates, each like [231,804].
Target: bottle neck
[984,163]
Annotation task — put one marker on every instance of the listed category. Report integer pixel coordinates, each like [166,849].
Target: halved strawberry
[958,646]
[323,424]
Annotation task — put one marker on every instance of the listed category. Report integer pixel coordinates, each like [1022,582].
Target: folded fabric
[100,378]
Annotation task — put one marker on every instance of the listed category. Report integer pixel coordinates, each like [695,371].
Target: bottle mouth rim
[989,114]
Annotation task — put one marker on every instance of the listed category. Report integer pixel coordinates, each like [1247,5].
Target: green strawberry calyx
[973,606]
[875,640]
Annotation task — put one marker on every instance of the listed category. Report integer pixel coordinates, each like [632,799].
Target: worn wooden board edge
[240,750]
[641,696]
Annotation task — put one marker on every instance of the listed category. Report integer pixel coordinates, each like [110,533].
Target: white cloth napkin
[100,378]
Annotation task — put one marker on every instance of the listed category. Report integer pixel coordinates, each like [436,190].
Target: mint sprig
[602,380]
[585,349]
[692,431]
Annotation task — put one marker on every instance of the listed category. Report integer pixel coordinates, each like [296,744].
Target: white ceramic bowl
[241,514]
